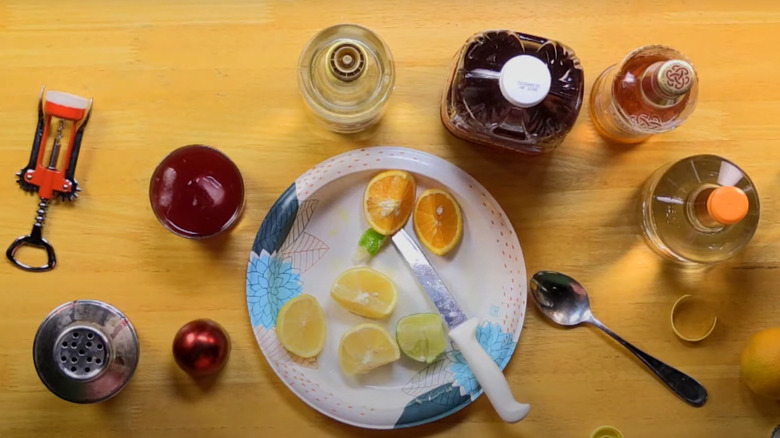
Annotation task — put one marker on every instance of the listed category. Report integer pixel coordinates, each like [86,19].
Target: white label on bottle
[525,81]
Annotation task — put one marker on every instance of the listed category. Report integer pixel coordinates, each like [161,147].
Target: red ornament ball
[201,347]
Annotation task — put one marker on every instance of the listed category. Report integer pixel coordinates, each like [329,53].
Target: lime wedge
[369,245]
[371,241]
[421,336]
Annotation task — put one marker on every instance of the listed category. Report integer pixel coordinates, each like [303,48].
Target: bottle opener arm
[70,171]
[22,177]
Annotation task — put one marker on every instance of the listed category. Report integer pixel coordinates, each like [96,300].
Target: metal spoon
[562,299]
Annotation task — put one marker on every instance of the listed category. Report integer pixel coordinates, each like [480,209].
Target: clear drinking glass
[196,192]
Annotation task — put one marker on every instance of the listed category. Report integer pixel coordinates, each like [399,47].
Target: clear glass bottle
[653,90]
[701,209]
[346,75]
[514,91]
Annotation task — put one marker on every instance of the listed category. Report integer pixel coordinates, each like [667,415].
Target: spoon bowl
[560,298]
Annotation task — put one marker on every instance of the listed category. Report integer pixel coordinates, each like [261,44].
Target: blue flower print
[270,282]
[499,346]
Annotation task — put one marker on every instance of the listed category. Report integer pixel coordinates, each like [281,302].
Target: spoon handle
[685,386]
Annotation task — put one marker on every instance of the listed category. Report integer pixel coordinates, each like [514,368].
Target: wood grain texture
[166,74]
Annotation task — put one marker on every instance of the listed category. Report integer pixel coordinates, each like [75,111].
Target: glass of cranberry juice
[197,192]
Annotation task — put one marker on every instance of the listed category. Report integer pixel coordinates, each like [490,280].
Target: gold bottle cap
[606,432]
[687,336]
[675,77]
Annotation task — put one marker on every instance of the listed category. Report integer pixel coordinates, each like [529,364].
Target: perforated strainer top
[81,352]
[85,351]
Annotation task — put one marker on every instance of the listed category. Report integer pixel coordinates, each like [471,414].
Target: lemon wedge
[366,292]
[365,347]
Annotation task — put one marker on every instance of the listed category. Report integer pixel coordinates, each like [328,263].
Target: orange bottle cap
[727,205]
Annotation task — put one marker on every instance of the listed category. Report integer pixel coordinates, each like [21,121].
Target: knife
[463,331]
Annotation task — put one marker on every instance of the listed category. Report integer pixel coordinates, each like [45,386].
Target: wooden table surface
[166,74]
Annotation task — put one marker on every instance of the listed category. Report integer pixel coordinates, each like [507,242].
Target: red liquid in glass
[196,191]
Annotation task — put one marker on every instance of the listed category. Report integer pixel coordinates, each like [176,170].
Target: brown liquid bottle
[652,91]
[514,91]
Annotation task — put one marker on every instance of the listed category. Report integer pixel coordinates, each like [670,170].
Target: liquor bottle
[512,90]
[346,76]
[653,90]
[702,209]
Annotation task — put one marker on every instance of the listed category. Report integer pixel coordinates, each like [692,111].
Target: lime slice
[421,336]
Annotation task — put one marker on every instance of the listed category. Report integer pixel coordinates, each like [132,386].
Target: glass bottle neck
[653,90]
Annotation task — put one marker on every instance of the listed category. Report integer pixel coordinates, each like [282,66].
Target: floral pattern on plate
[285,262]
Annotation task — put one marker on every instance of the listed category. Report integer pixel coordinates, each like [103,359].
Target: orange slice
[438,221]
[389,200]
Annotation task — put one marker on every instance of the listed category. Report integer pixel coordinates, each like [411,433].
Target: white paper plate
[310,236]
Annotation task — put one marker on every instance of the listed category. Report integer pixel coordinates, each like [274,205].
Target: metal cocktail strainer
[85,351]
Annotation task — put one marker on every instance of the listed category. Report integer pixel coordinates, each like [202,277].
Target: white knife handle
[487,373]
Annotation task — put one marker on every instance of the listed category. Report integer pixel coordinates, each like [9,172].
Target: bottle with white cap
[653,90]
[513,90]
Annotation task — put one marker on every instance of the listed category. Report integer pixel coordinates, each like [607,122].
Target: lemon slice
[365,347]
[366,292]
[421,336]
[301,326]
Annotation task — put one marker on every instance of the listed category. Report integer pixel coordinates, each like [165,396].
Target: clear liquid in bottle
[346,76]
[702,209]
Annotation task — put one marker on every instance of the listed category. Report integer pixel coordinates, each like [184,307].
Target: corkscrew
[52,177]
